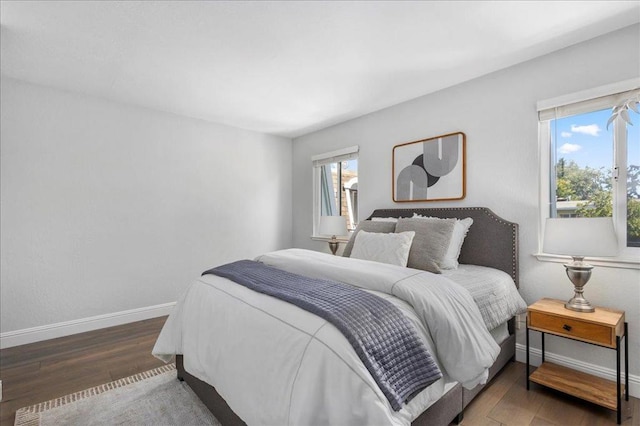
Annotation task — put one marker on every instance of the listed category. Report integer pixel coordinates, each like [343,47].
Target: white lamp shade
[333,225]
[581,236]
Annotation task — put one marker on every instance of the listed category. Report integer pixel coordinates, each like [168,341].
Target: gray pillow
[430,243]
[368,226]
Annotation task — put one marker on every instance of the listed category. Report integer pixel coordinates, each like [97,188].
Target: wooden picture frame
[432,169]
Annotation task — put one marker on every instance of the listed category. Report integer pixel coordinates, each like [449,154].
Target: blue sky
[585,139]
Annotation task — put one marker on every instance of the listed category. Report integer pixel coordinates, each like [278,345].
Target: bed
[326,388]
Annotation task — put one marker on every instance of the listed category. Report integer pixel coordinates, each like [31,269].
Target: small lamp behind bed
[580,237]
[334,226]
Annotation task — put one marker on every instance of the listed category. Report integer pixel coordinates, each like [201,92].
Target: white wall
[108,207]
[498,114]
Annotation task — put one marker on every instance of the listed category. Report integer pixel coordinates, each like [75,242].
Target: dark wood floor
[46,370]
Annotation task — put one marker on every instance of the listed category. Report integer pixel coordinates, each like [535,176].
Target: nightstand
[604,327]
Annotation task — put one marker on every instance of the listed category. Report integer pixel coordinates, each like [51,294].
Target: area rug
[155,397]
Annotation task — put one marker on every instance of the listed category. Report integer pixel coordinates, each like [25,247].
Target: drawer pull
[567,327]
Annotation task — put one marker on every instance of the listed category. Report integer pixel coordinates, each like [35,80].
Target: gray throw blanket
[381,335]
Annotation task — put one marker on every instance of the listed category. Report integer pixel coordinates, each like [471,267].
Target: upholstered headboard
[491,241]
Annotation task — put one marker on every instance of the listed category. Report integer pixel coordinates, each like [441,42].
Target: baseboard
[67,328]
[535,358]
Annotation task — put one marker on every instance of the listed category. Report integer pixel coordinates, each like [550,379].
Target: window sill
[624,263]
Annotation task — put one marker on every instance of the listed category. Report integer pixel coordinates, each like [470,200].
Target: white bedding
[275,363]
[500,333]
[493,291]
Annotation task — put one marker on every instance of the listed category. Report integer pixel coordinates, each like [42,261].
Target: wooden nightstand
[604,327]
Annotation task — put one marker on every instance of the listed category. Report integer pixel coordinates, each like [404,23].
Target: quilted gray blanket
[383,338]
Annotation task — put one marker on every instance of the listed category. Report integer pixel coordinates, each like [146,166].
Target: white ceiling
[285,68]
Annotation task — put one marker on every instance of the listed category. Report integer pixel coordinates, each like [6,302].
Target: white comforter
[493,291]
[277,364]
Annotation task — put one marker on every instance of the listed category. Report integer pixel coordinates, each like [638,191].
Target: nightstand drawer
[569,327]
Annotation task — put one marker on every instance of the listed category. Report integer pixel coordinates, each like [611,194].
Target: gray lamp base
[333,246]
[579,273]
[579,304]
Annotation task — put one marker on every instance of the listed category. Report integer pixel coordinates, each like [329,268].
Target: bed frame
[491,241]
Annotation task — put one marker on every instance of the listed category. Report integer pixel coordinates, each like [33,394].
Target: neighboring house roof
[571,205]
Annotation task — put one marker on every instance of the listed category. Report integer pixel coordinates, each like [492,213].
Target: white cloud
[568,148]
[591,129]
[566,134]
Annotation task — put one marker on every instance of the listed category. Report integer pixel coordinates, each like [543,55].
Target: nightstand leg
[618,398]
[626,361]
[527,327]
[542,347]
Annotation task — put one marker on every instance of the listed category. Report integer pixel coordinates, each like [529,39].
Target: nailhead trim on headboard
[492,241]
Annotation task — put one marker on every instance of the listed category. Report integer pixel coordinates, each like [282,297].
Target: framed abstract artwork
[430,169]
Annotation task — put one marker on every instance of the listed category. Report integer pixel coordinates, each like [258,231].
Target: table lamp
[580,237]
[334,226]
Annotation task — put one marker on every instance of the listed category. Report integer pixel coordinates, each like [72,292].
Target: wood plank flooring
[46,370]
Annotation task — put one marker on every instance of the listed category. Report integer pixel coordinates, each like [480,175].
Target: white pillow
[385,248]
[384,219]
[450,260]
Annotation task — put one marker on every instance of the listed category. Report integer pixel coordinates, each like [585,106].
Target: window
[335,176]
[591,165]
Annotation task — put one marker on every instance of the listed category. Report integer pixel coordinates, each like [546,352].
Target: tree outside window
[588,169]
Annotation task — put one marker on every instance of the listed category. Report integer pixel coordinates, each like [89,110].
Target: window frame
[628,257]
[337,156]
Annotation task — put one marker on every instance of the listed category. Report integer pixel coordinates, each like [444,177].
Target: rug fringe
[29,416]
